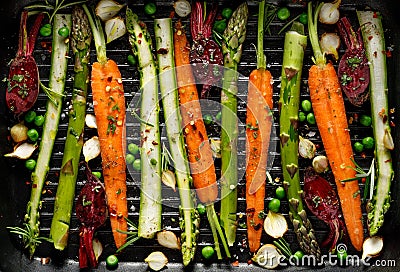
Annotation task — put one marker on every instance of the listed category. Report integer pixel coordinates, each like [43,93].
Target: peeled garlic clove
[388,140]
[106,9]
[320,164]
[19,132]
[114,28]
[97,248]
[22,151]
[268,256]
[156,260]
[168,239]
[168,178]
[182,8]
[91,148]
[330,43]
[90,121]
[372,246]
[329,13]
[216,147]
[275,224]
[307,148]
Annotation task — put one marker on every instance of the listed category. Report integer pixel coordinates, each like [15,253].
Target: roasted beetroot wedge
[353,68]
[205,54]
[323,202]
[91,210]
[23,78]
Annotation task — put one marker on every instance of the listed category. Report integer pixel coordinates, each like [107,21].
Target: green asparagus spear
[293,54]
[81,37]
[233,38]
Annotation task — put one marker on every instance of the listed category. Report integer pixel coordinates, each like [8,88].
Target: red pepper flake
[375,54]
[363,180]
[375,15]
[392,124]
[34,186]
[172,14]
[249,261]
[139,41]
[140,35]
[154,143]
[363,155]
[27,182]
[388,53]
[389,160]
[370,37]
[235,263]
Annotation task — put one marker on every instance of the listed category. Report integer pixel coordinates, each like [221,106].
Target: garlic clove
[168,178]
[330,43]
[106,9]
[97,248]
[307,148]
[114,28]
[182,8]
[275,224]
[372,246]
[19,132]
[320,164]
[168,239]
[90,121]
[215,144]
[156,260]
[329,13]
[267,256]
[22,151]
[91,148]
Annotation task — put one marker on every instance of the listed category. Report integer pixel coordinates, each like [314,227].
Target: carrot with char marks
[198,147]
[258,133]
[330,114]
[109,108]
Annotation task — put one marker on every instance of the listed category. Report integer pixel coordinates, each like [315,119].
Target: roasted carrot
[198,147]
[109,108]
[330,114]
[258,132]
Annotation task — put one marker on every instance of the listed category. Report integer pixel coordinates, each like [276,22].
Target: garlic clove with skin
[114,28]
[106,9]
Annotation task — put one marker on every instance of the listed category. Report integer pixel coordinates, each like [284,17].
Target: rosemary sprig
[132,235]
[29,237]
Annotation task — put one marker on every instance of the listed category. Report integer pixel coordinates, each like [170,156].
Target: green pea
[220,25]
[227,13]
[30,164]
[39,120]
[207,252]
[137,164]
[130,158]
[280,192]
[132,60]
[150,8]
[283,13]
[45,30]
[274,205]
[218,116]
[208,119]
[30,116]
[306,105]
[201,208]
[365,120]
[299,255]
[33,135]
[97,174]
[133,148]
[303,18]
[112,262]
[63,32]
[310,118]
[368,142]
[302,116]
[358,147]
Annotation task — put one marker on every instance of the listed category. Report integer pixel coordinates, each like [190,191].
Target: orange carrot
[109,108]
[198,147]
[258,132]
[330,114]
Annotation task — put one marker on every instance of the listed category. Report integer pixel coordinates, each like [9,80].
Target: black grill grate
[118,51]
